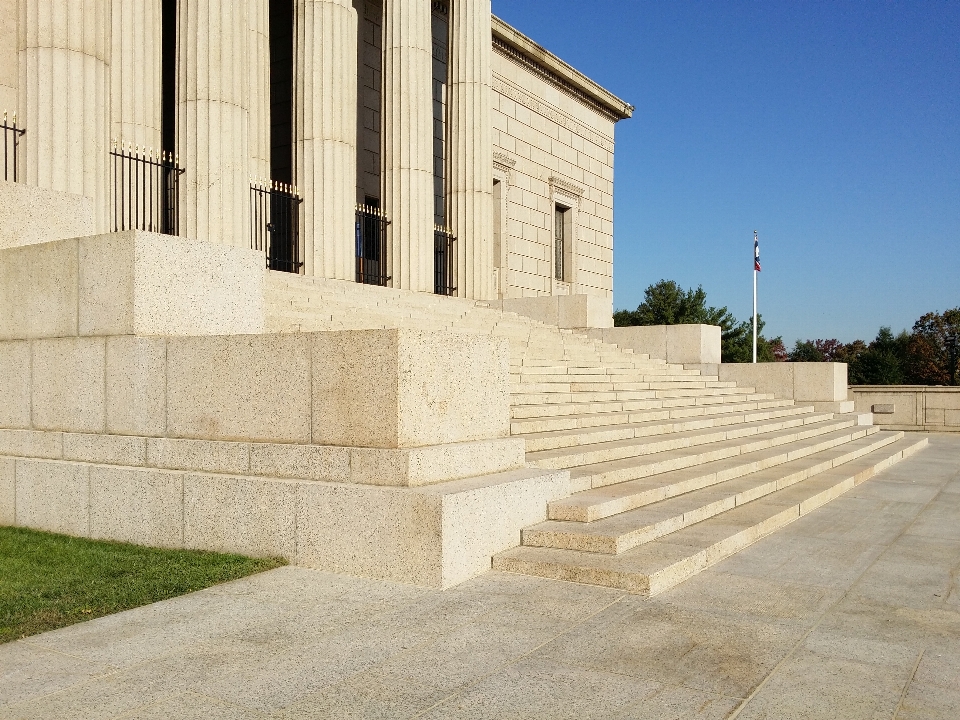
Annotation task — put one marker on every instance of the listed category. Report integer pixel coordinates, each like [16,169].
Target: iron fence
[11,146]
[444,261]
[275,224]
[371,237]
[146,189]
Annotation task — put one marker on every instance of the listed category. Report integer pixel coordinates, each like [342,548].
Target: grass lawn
[48,581]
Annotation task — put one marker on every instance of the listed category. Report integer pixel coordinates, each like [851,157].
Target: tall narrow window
[369,99]
[560,230]
[168,76]
[441,31]
[281,91]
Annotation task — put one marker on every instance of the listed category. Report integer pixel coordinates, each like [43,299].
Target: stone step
[687,440]
[614,387]
[589,420]
[557,439]
[677,473]
[621,532]
[667,561]
[580,408]
[553,398]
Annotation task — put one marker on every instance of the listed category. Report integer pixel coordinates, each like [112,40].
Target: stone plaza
[332,281]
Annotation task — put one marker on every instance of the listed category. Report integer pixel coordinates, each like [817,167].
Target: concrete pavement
[851,612]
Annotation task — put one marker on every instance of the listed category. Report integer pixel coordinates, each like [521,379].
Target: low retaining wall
[910,407]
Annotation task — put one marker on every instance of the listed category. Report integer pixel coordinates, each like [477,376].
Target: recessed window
[561,235]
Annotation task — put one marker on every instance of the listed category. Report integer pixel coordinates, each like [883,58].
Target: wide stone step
[589,420]
[675,473]
[611,472]
[557,409]
[667,561]
[557,439]
[603,452]
[528,385]
[673,394]
[618,533]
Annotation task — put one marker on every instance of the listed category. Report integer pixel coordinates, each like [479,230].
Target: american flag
[756,253]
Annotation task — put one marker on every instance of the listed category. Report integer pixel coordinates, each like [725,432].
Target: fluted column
[212,120]
[64,54]
[259,78]
[135,72]
[470,153]
[326,134]
[9,65]
[407,141]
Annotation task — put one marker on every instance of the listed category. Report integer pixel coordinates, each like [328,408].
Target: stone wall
[910,407]
[550,148]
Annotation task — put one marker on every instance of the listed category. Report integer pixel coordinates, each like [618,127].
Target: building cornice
[514,45]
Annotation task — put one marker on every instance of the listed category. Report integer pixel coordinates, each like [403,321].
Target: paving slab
[852,611]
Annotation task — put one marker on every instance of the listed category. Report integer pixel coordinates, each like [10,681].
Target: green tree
[666,303]
[883,362]
[806,351]
[933,352]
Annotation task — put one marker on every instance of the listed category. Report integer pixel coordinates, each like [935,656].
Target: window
[561,232]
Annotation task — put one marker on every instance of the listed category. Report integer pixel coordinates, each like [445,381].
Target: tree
[882,362]
[933,350]
[807,351]
[666,303]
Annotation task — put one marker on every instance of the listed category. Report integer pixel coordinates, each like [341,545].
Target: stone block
[136,386]
[148,284]
[933,416]
[14,385]
[775,378]
[904,402]
[31,215]
[693,344]
[247,387]
[38,291]
[31,443]
[300,462]
[883,408]
[565,311]
[644,339]
[8,491]
[819,382]
[414,467]
[406,388]
[106,449]
[136,506]
[951,418]
[68,384]
[53,496]
[251,516]
[198,455]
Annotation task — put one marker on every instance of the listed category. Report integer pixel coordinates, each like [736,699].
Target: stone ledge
[406,467]
[436,536]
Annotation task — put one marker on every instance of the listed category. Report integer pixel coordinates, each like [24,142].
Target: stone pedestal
[135,73]
[471,147]
[64,63]
[407,141]
[326,134]
[213,115]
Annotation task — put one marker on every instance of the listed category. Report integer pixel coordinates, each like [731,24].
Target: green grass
[48,581]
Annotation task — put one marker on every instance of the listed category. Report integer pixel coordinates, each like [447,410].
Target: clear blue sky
[832,128]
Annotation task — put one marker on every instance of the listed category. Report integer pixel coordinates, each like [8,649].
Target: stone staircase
[671,470]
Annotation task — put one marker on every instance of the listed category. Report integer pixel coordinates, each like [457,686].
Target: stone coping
[410,467]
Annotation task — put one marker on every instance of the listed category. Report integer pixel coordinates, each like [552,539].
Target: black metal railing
[444,261]
[11,147]
[146,189]
[371,241]
[275,224]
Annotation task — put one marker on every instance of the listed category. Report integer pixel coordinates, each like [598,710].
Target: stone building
[471,161]
[333,282]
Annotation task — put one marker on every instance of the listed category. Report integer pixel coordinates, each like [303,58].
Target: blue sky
[832,128]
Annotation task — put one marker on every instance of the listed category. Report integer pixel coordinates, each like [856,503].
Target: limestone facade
[434,113]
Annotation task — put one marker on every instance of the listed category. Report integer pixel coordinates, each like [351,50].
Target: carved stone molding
[567,187]
[528,101]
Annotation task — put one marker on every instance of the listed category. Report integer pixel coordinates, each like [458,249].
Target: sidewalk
[851,612]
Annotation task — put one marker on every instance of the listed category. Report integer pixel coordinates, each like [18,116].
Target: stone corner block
[38,291]
[68,384]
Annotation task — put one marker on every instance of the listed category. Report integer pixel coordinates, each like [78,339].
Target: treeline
[666,303]
[928,355]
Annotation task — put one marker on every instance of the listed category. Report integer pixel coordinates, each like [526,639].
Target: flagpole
[755,299]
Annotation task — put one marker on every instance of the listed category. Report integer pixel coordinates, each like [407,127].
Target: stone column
[213,115]
[9,65]
[135,73]
[470,150]
[259,79]
[407,141]
[64,58]
[326,134]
